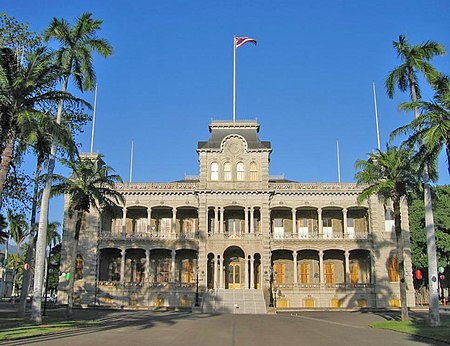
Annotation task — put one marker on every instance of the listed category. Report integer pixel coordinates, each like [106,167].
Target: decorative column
[221,272]
[174,220]
[222,213]
[347,267]
[246,220]
[252,220]
[294,256]
[122,265]
[246,273]
[344,221]
[294,221]
[172,267]
[124,220]
[322,281]
[252,272]
[147,266]
[216,220]
[319,220]
[215,283]
[149,219]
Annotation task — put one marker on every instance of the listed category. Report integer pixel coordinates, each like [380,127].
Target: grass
[419,328]
[24,330]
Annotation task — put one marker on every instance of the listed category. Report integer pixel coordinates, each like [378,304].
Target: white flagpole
[131,161]
[93,119]
[234,78]
[376,115]
[338,161]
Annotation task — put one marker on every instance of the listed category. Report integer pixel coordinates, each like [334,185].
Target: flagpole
[234,78]
[338,161]
[376,114]
[93,119]
[131,161]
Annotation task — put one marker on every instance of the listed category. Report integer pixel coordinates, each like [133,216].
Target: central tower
[234,158]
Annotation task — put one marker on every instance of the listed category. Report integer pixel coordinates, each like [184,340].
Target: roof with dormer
[247,129]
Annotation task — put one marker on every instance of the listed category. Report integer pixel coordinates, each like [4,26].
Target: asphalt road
[177,328]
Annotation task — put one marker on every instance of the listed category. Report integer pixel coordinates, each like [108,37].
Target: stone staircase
[234,301]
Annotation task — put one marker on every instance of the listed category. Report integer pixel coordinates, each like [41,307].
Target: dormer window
[253,171]
[214,171]
[227,171]
[240,171]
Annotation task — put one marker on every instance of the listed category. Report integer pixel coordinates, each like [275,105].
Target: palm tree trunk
[6,162]
[433,307]
[400,258]
[73,260]
[31,244]
[36,310]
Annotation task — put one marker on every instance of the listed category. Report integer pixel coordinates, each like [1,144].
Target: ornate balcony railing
[157,186]
[322,286]
[315,186]
[148,235]
[176,285]
[246,236]
[312,236]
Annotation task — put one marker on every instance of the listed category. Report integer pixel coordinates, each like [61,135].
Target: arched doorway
[234,260]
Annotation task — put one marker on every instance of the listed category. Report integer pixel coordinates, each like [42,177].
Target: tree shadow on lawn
[103,320]
[417,327]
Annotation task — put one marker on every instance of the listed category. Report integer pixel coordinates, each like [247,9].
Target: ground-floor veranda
[295,278]
[235,269]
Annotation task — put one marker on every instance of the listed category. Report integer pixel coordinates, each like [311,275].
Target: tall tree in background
[431,130]
[416,59]
[22,88]
[391,176]
[3,224]
[90,186]
[74,57]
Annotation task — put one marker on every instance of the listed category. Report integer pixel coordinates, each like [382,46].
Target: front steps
[241,301]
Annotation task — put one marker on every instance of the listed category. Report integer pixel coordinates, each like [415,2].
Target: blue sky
[308,81]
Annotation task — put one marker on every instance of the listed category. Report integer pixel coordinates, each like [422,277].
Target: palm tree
[91,185]
[416,59]
[3,224]
[23,88]
[74,57]
[18,228]
[40,139]
[391,176]
[431,130]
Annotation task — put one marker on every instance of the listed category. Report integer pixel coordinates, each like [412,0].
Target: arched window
[214,171]
[253,171]
[393,269]
[79,263]
[227,171]
[240,171]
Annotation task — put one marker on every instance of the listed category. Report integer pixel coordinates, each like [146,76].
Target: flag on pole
[240,41]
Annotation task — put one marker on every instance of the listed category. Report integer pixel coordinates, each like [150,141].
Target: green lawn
[16,330]
[418,327]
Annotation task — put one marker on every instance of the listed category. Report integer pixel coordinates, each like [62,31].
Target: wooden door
[304,273]
[329,273]
[279,273]
[234,275]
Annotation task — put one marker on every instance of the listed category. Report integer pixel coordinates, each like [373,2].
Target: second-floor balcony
[148,235]
[328,234]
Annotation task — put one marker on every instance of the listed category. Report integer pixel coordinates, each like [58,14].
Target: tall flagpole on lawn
[338,161]
[93,119]
[131,161]
[234,78]
[376,114]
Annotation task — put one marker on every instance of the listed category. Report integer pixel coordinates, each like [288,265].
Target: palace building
[240,238]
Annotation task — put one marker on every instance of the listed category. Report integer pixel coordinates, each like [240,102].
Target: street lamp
[197,304]
[270,276]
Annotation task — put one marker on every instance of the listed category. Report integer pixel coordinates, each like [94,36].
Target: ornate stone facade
[236,227]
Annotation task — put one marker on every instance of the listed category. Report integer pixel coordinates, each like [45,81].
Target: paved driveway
[172,328]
